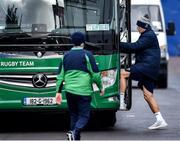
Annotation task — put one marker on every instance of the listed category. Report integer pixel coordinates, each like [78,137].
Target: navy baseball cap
[78,38]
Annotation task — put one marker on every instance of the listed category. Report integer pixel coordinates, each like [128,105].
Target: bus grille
[39,80]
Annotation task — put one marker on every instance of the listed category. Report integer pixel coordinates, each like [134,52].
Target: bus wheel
[162,81]
[104,118]
[110,119]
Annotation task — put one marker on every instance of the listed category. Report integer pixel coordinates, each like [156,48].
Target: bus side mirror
[171,29]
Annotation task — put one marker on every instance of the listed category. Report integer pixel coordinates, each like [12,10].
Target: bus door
[125,36]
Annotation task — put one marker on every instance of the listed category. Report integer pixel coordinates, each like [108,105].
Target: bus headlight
[108,78]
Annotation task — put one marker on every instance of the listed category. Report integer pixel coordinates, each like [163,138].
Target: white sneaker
[158,125]
[70,136]
[122,106]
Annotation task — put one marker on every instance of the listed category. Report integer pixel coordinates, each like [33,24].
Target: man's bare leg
[160,122]
[148,96]
[123,86]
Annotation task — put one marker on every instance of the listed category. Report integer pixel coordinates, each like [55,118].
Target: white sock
[122,97]
[159,116]
[122,93]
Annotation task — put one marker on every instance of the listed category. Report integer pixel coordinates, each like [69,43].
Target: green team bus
[34,35]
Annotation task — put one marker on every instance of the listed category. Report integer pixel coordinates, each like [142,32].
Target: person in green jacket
[78,71]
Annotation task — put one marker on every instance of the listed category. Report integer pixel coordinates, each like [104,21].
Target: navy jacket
[147,53]
[78,70]
[77,55]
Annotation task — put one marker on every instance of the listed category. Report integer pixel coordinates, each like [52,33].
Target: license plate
[32,101]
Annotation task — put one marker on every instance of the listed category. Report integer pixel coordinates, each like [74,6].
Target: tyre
[163,77]
[163,82]
[103,119]
[109,119]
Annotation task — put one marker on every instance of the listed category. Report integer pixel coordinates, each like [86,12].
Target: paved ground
[130,125]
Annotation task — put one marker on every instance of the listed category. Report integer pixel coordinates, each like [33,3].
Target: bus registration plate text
[33,101]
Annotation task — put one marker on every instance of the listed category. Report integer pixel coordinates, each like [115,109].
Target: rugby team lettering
[17,64]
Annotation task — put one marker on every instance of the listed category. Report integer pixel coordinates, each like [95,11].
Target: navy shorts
[143,80]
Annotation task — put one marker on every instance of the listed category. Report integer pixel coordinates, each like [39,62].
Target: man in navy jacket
[146,68]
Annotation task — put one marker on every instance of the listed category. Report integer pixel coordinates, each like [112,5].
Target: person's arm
[59,83]
[95,74]
[141,44]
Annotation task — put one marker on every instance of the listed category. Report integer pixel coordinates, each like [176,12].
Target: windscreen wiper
[13,35]
[45,37]
[35,47]
[92,46]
